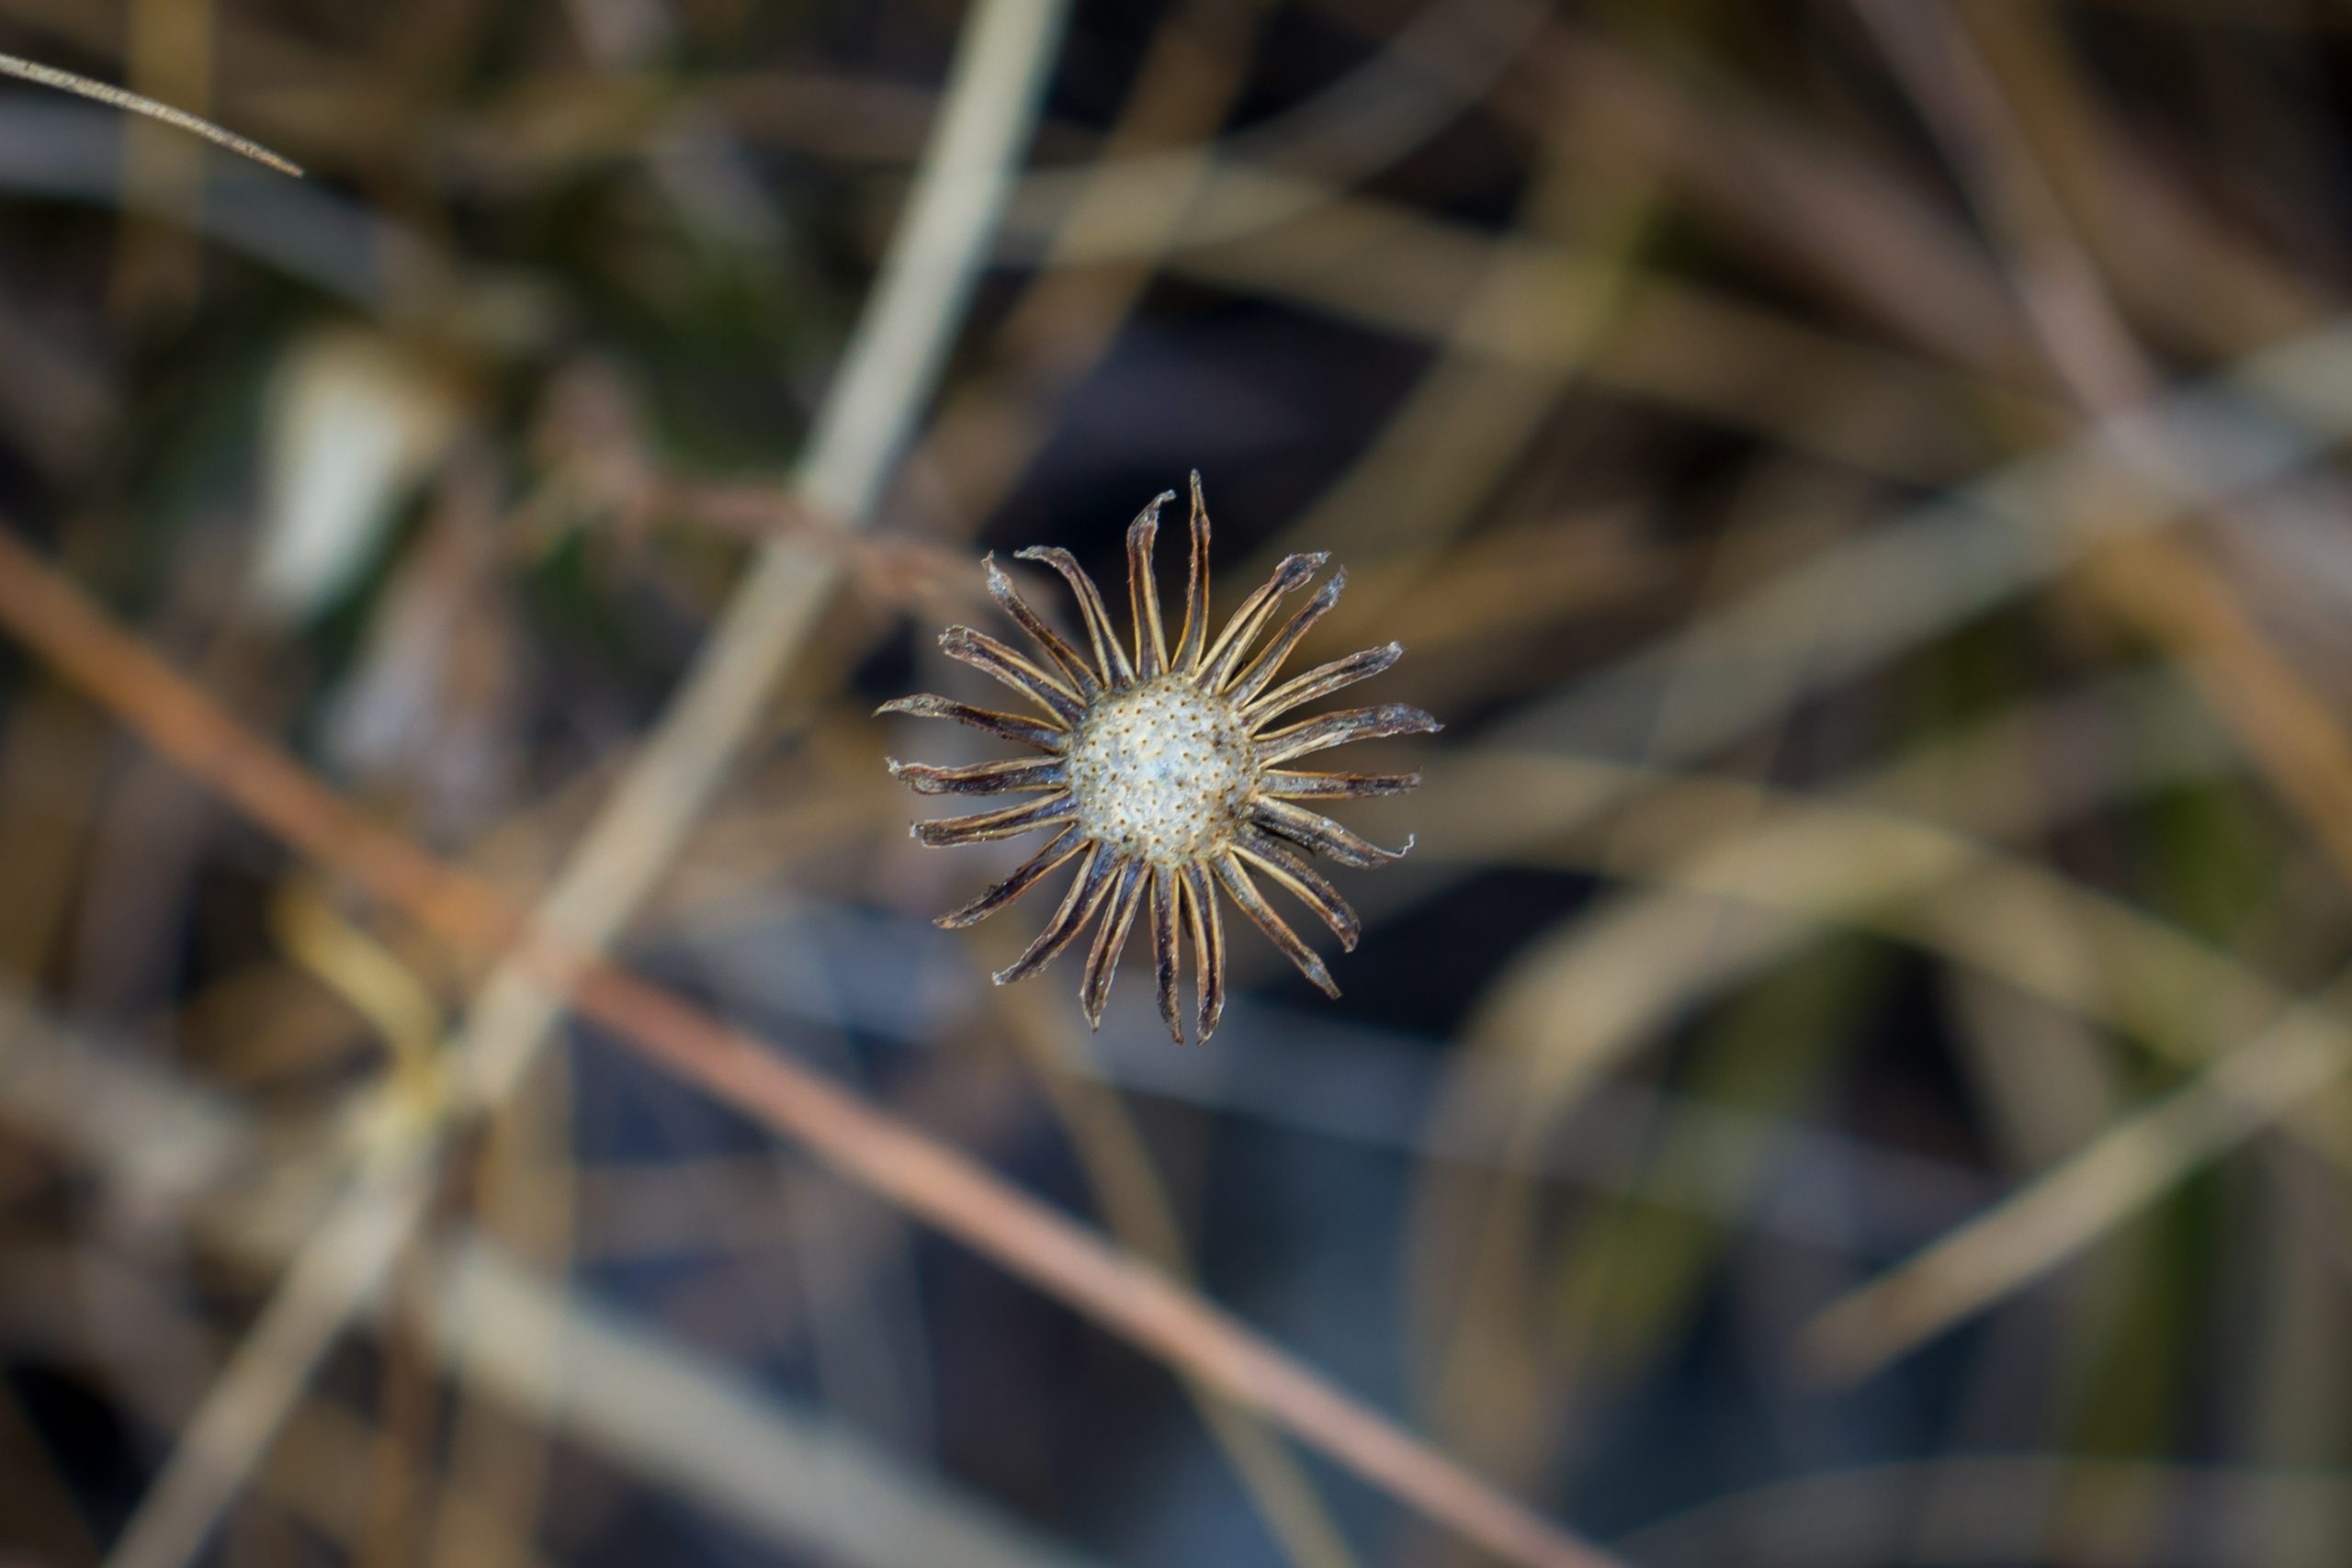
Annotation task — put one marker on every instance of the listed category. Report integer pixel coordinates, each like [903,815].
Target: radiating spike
[1110,941]
[984,653]
[1143,590]
[1303,826]
[981,778]
[1262,669]
[1110,658]
[1165,900]
[1322,733]
[1231,871]
[1072,664]
[1208,947]
[1310,886]
[1281,784]
[1063,845]
[1049,736]
[1233,643]
[1321,682]
[1187,657]
[1085,897]
[1042,812]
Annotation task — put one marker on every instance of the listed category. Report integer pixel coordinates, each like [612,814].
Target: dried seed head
[1162,781]
[1160,771]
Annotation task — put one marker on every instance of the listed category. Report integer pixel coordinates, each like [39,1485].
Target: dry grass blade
[1576,1003]
[320,1483]
[1664,339]
[2289,729]
[2136,1160]
[931,1181]
[134,103]
[888,365]
[1580,1003]
[1139,1211]
[891,361]
[1864,485]
[796,1481]
[2005,1507]
[1860,602]
[1066,318]
[326,1282]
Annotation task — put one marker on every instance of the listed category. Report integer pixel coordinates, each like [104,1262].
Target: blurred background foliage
[1850,1075]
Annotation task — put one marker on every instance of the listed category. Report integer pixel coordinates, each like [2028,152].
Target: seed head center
[1158,771]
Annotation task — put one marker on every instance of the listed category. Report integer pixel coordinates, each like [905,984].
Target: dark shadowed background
[1850,1073]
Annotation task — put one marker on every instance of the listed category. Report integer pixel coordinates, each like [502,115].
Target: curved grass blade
[135,103]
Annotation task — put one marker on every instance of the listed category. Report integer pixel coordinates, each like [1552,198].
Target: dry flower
[1159,776]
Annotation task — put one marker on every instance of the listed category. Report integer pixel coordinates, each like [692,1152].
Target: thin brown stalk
[929,1180]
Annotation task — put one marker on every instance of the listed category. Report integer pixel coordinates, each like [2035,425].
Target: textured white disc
[1158,771]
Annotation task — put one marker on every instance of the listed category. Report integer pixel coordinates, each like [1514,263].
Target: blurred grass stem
[928,1179]
[135,103]
[889,367]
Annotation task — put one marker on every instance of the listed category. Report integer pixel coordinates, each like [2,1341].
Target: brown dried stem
[929,1180]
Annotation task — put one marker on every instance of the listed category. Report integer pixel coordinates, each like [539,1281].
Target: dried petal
[1244,893]
[981,778]
[1208,946]
[1143,590]
[1331,730]
[1072,663]
[1303,826]
[1233,643]
[1260,850]
[1187,657]
[1281,784]
[1321,682]
[1166,898]
[1004,824]
[1261,670]
[1045,736]
[1085,897]
[984,653]
[1102,959]
[1063,845]
[1109,656]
